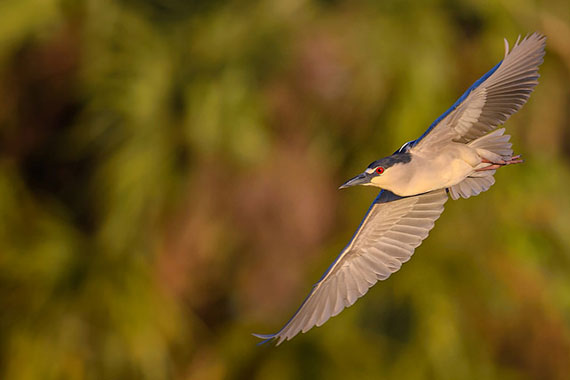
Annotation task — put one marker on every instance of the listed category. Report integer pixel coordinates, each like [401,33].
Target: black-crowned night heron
[458,154]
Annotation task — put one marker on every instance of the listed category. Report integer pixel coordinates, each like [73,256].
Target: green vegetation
[168,176]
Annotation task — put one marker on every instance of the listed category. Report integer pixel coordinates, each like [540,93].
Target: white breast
[431,171]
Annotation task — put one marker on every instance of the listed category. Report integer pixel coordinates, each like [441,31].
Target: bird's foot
[495,165]
[515,160]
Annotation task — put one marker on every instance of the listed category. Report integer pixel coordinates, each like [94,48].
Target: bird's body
[427,171]
[457,155]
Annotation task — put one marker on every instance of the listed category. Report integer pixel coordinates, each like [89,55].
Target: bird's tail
[494,147]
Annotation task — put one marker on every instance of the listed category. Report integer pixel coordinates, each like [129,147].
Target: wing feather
[392,228]
[492,99]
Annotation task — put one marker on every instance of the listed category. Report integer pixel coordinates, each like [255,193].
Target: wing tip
[535,37]
[506,47]
[266,338]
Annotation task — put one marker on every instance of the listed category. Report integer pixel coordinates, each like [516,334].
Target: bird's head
[380,172]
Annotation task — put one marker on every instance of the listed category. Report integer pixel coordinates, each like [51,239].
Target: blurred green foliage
[168,175]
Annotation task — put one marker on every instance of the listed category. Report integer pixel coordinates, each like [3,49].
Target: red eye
[379,170]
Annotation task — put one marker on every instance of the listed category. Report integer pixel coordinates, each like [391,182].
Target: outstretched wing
[387,236]
[492,99]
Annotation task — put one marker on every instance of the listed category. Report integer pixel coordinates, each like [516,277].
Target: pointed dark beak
[361,179]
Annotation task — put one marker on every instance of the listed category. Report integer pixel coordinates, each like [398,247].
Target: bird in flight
[456,156]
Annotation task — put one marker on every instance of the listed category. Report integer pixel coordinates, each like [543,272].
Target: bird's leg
[495,165]
[513,160]
[490,167]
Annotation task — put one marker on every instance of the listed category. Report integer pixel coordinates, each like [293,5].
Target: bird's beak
[361,179]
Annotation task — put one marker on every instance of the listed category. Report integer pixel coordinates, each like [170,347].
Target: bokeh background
[168,185]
